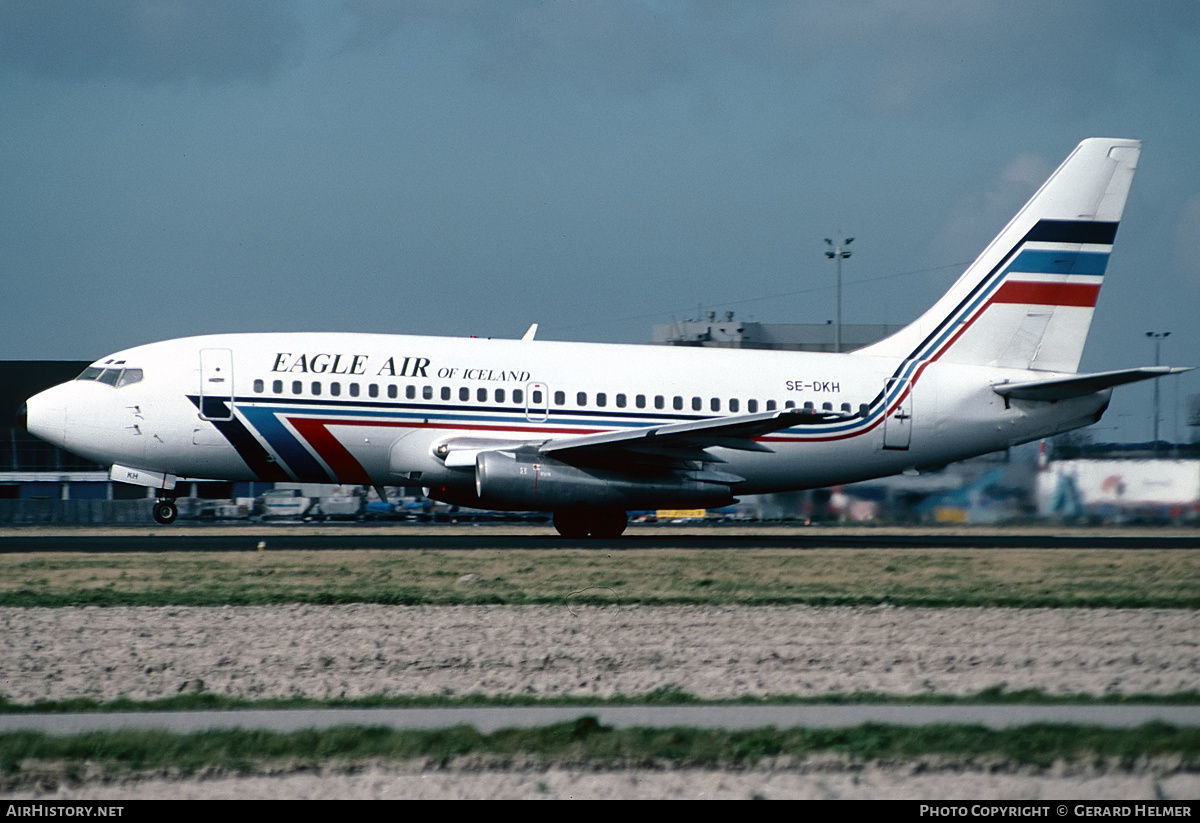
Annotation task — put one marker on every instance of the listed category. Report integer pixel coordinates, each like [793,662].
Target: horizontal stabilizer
[1077,385]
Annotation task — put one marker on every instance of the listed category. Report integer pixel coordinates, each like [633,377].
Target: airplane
[589,431]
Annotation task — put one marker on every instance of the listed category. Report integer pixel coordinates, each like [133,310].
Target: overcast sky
[177,167]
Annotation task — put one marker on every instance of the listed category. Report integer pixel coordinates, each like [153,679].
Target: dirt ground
[712,652]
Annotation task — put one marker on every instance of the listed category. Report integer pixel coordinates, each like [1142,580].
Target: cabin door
[537,402]
[216,384]
[897,425]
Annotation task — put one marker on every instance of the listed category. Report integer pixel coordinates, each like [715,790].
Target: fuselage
[372,409]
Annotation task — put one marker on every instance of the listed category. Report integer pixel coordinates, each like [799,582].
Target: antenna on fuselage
[529,334]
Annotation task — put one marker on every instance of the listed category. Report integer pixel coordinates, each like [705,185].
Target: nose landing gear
[165,511]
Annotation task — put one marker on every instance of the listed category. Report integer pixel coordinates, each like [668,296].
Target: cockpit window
[111,377]
[129,376]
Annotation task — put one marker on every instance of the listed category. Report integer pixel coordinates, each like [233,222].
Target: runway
[487,720]
[406,537]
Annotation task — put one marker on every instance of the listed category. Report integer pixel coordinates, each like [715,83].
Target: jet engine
[534,482]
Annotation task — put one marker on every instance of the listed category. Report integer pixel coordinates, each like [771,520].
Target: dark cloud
[148,40]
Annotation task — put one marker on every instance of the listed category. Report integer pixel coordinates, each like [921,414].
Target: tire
[609,524]
[571,524]
[165,512]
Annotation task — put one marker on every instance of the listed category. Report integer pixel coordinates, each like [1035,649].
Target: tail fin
[1027,300]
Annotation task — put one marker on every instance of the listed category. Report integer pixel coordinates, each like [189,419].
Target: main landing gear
[602,523]
[165,511]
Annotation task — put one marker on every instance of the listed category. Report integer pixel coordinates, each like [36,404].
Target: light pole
[1157,337]
[836,254]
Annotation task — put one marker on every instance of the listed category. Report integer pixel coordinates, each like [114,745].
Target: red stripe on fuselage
[345,466]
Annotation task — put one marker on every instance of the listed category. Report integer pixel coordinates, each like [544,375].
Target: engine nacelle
[530,482]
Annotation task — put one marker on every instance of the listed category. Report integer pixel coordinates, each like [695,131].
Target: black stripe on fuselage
[247,447]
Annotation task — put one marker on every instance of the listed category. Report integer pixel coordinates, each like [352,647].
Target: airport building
[731,333]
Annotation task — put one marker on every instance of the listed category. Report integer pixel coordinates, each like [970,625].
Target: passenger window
[581,399]
[715,404]
[335,389]
[535,397]
[316,387]
[409,391]
[373,390]
[620,401]
[827,407]
[258,386]
[499,395]
[518,395]
[677,403]
[733,404]
[427,392]
[481,395]
[354,390]
[445,392]
[845,407]
[640,401]
[752,406]
[791,404]
[770,405]
[601,399]
[394,391]
[560,398]
[464,394]
[697,404]
[863,409]
[660,402]
[277,387]
[297,387]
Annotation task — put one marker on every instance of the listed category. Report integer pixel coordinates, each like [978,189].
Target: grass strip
[668,696]
[582,742]
[1018,578]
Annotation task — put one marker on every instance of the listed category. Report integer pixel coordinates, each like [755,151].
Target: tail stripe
[1025,260]
[1096,232]
[1048,294]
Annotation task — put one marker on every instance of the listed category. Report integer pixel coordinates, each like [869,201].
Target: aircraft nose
[45,415]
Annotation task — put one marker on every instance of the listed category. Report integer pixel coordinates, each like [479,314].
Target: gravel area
[913,781]
[712,652]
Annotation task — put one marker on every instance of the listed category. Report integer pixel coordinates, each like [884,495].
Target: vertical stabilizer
[1027,300]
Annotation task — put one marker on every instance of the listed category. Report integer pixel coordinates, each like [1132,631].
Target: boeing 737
[589,431]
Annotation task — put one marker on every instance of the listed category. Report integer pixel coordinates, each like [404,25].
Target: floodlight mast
[1157,337]
[836,254]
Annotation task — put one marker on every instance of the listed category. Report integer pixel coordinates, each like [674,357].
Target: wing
[667,443]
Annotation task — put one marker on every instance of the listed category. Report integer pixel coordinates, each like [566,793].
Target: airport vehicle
[590,431]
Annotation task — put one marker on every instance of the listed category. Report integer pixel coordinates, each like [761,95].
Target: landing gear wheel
[165,511]
[602,523]
[609,524]
[571,524]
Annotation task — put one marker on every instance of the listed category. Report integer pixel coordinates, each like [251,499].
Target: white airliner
[589,431]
